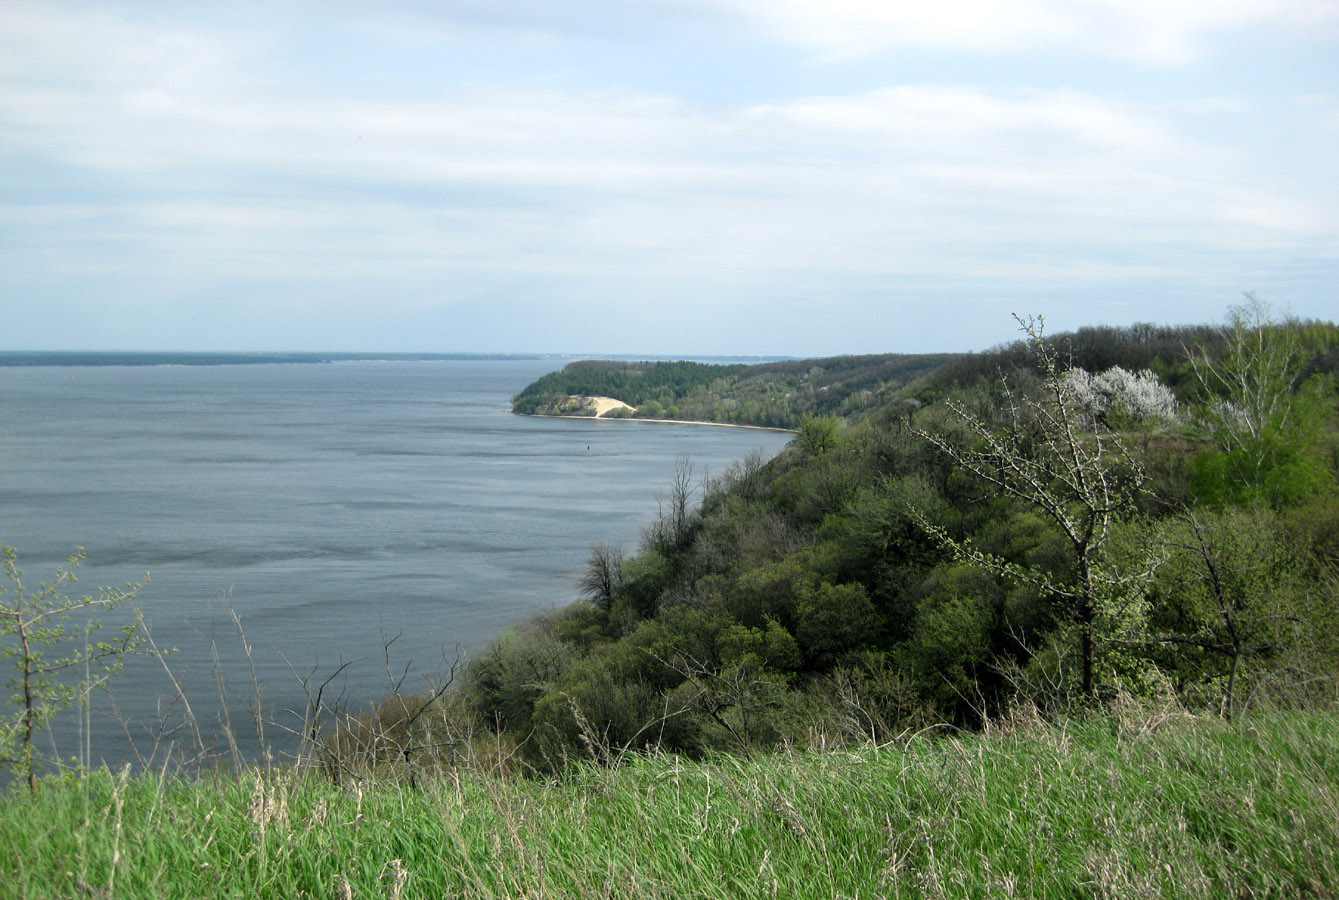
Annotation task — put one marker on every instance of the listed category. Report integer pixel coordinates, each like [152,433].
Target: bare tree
[1084,480]
[744,700]
[674,525]
[603,575]
[1249,382]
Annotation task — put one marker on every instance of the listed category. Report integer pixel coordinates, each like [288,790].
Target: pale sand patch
[605,404]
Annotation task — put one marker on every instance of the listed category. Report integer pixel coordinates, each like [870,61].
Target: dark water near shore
[333,507]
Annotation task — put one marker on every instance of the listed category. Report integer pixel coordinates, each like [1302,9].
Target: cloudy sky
[797,177]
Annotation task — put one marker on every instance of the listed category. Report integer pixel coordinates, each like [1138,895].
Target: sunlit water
[335,508]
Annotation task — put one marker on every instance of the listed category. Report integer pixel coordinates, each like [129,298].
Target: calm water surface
[333,507]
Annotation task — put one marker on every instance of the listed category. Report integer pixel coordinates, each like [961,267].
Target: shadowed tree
[603,575]
[1232,590]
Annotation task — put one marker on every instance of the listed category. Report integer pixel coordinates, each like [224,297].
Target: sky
[667,177]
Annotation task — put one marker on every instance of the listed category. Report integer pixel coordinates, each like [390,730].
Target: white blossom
[1139,396]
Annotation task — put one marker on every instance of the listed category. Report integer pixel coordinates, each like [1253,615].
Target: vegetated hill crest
[854,387]
[773,394]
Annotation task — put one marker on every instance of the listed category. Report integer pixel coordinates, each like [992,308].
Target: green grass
[1098,808]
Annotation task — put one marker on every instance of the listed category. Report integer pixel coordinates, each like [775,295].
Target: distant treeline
[1165,350]
[784,394]
[657,386]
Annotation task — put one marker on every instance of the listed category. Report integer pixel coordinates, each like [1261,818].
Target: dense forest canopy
[659,385]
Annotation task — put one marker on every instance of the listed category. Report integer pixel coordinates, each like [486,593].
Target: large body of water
[333,507]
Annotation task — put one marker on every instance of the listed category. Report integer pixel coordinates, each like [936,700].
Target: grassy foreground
[1109,807]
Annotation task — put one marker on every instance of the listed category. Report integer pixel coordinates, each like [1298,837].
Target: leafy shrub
[833,619]
[32,622]
[503,684]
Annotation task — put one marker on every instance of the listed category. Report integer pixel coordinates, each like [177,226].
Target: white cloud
[915,178]
[1157,31]
[189,157]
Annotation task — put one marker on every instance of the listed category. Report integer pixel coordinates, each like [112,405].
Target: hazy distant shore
[167,358]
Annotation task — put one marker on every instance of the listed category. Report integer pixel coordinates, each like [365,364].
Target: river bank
[662,421]
[603,406]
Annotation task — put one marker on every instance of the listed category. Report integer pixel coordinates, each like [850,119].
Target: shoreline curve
[661,421]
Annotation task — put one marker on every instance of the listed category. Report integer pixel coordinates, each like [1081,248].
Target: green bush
[832,620]
[503,684]
[953,634]
[34,625]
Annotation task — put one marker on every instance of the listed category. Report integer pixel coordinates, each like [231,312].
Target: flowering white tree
[1118,393]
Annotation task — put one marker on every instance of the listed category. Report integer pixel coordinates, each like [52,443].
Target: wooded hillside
[1071,518]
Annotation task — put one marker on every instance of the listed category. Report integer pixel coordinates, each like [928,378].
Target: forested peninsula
[766,395]
[1059,618]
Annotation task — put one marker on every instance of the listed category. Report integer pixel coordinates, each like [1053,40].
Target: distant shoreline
[662,421]
[74,358]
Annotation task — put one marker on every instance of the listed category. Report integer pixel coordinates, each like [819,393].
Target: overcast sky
[794,177]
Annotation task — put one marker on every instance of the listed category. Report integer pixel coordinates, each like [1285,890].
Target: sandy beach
[603,405]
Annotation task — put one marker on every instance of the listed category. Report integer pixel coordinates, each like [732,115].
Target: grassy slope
[1106,807]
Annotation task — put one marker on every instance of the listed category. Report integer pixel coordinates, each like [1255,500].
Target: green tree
[34,622]
[771,646]
[503,683]
[951,636]
[1231,600]
[1083,479]
[817,434]
[1263,422]
[832,619]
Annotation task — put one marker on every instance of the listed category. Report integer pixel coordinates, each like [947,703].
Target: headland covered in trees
[1103,566]
[765,395]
